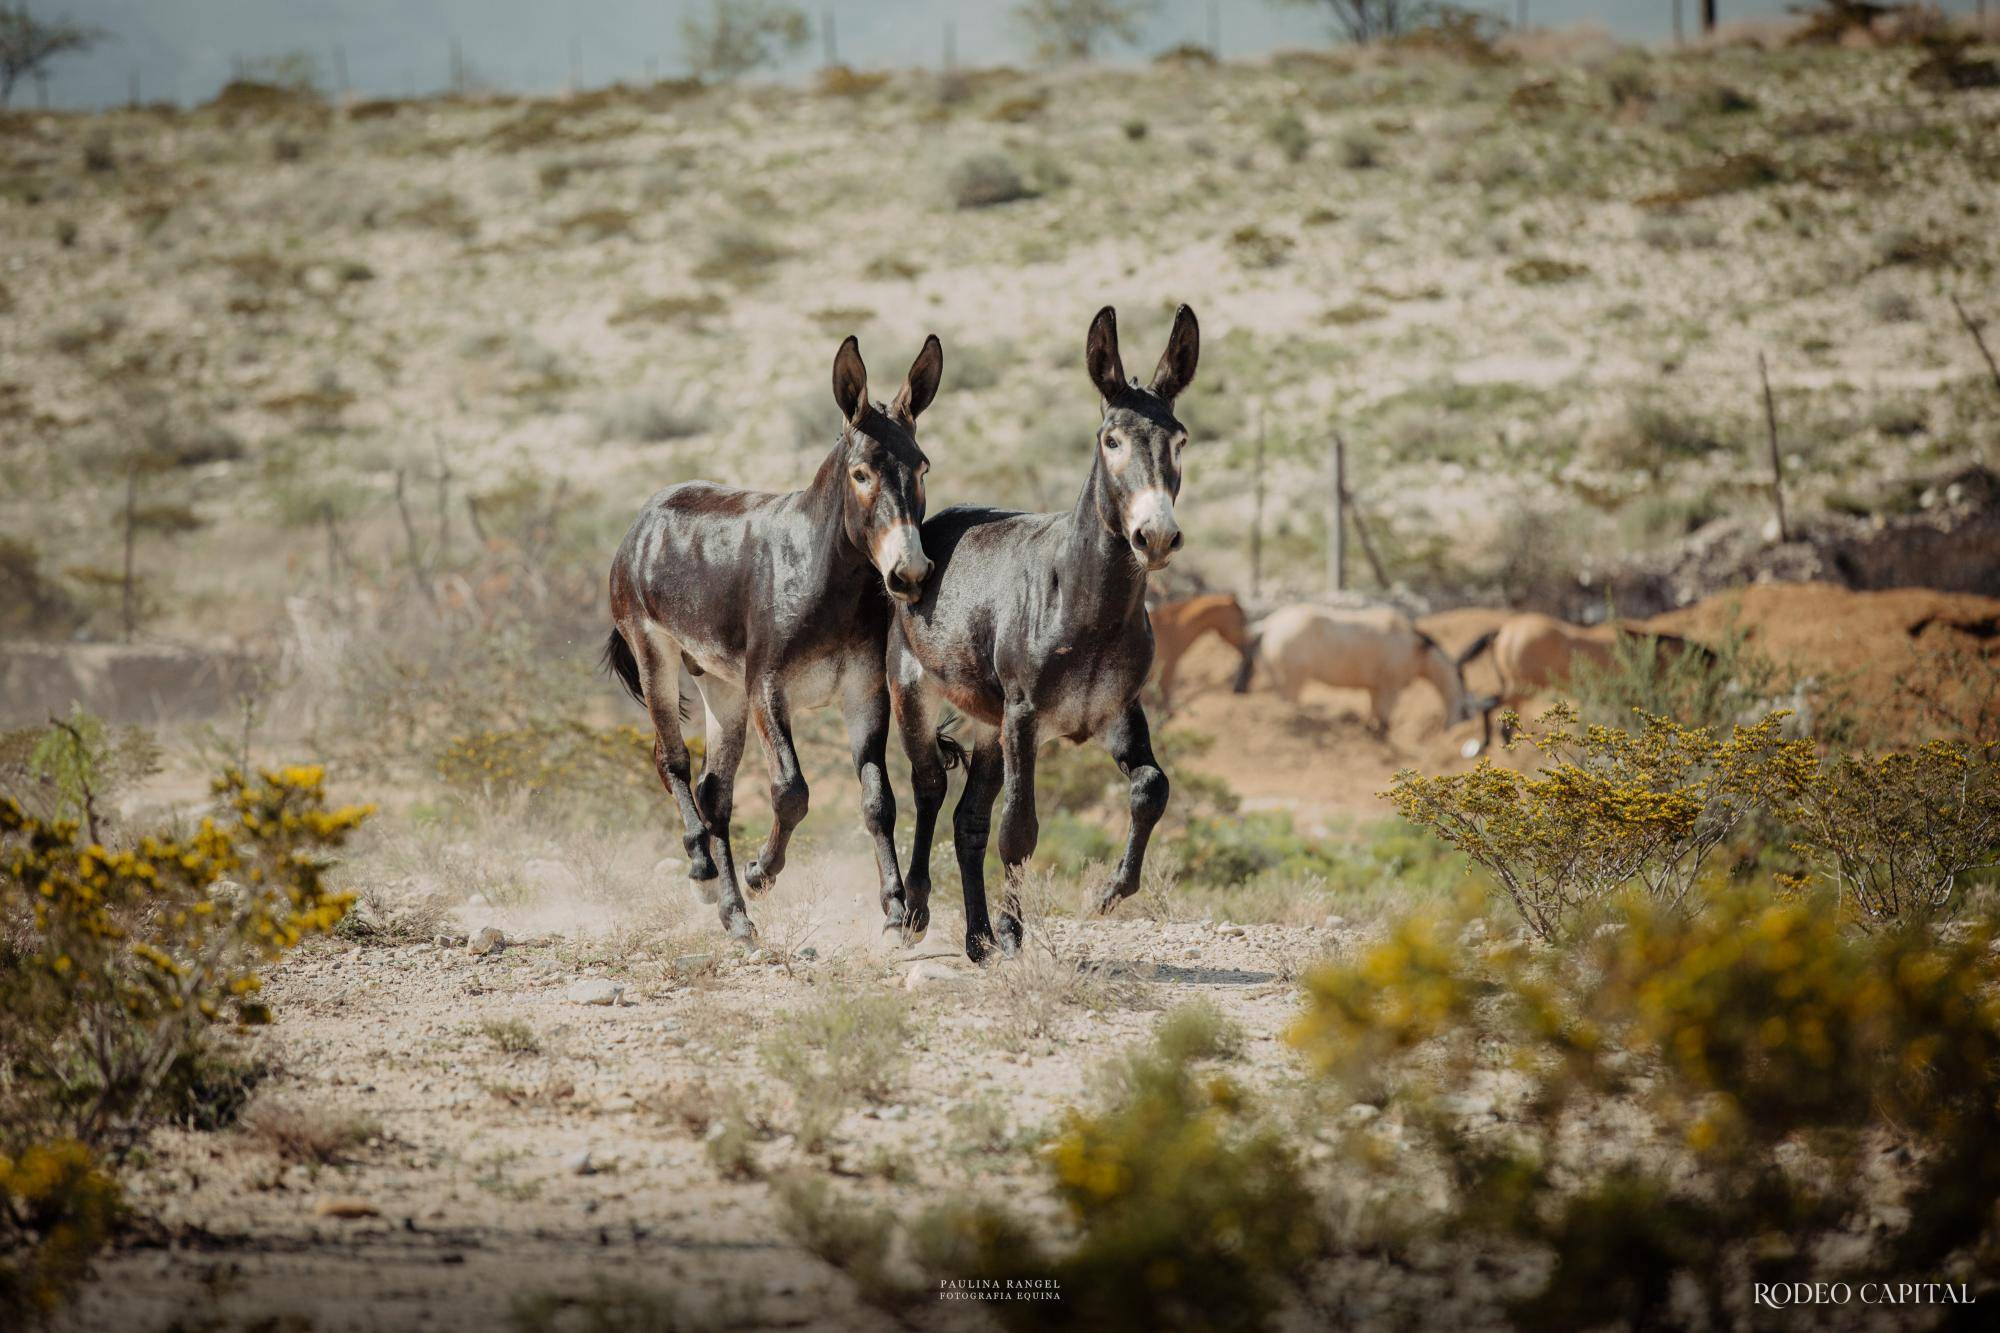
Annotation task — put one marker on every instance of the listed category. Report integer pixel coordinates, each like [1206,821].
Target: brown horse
[1532,651]
[1034,627]
[770,603]
[1176,626]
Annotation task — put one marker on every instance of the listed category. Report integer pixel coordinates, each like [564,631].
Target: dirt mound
[1320,761]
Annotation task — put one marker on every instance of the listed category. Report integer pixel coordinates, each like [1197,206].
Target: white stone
[595,990]
[928,973]
[487,940]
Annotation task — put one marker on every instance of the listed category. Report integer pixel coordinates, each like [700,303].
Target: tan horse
[1375,649]
[1532,651]
[1176,626]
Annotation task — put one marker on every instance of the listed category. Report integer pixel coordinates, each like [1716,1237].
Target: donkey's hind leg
[660,683]
[971,823]
[1019,828]
[716,792]
[1131,745]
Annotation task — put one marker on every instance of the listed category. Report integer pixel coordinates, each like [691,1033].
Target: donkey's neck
[823,500]
[1112,580]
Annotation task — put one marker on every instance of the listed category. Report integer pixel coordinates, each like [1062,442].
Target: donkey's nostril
[1175,544]
[1138,539]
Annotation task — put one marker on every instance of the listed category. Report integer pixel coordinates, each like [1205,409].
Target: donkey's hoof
[755,882]
[1009,936]
[980,946]
[1107,901]
[739,928]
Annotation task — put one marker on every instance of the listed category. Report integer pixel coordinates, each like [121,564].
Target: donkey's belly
[1084,705]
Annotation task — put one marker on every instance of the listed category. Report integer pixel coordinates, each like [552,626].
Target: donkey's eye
[861,476]
[1112,442]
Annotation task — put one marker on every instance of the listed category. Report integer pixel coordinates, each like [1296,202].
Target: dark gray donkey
[1034,626]
[772,603]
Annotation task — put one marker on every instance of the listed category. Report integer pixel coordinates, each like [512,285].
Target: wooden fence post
[1777,462]
[1257,512]
[1336,518]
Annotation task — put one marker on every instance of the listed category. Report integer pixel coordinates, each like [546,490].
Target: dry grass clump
[984,181]
[306,1135]
[844,1050]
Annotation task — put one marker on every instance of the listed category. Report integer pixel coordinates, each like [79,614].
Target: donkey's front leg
[866,704]
[1019,830]
[1131,745]
[789,795]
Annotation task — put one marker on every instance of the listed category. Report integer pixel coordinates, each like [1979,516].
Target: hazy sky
[184,49]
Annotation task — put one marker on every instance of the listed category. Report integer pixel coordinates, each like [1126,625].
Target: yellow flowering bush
[1607,808]
[56,1211]
[115,959]
[1693,1099]
[1186,1214]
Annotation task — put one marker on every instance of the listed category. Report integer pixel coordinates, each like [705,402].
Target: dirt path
[472,1174]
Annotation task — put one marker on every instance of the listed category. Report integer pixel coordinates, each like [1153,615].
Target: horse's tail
[951,754]
[1476,647]
[618,661]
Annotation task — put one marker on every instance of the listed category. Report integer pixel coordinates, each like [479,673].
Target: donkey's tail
[1477,646]
[950,753]
[619,661]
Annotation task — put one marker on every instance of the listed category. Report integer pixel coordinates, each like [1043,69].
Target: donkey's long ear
[1100,356]
[850,380]
[922,384]
[1176,370]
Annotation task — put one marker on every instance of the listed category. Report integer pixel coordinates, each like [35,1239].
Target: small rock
[768,957]
[894,1113]
[693,962]
[928,973]
[487,941]
[549,876]
[1359,1114]
[346,1208]
[1234,932]
[594,990]
[809,952]
[447,941]
[579,1164]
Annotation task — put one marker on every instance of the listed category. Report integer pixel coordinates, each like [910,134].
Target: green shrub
[1186,1214]
[1711,1041]
[57,1209]
[1290,134]
[843,1051]
[984,181]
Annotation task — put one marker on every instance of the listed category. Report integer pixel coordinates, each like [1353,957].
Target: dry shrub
[846,81]
[306,1135]
[1609,808]
[844,1050]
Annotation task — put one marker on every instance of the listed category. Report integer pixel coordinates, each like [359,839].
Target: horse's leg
[1170,661]
[1381,703]
[660,682]
[789,796]
[970,823]
[1131,744]
[716,794]
[916,723]
[865,702]
[1019,829]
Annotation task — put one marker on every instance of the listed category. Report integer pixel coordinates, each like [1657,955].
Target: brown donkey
[771,603]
